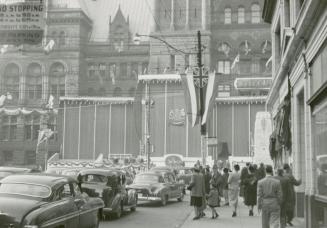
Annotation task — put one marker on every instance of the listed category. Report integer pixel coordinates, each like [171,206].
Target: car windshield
[25,189]
[93,178]
[146,179]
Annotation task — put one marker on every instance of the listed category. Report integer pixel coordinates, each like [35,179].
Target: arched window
[62,39]
[57,80]
[241,15]
[34,81]
[228,16]
[117,92]
[11,80]
[255,13]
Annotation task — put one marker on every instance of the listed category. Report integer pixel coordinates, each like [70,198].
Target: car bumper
[148,198]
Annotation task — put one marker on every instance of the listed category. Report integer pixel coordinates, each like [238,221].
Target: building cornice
[97,100]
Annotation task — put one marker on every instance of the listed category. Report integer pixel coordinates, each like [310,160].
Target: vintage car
[6,171]
[157,186]
[110,186]
[40,200]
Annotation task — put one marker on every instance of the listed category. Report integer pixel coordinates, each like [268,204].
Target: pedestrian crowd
[274,195]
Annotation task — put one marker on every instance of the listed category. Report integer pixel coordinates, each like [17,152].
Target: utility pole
[201,101]
[147,130]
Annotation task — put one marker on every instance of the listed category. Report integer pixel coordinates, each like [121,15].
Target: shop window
[224,66]
[319,70]
[241,15]
[320,145]
[255,13]
[228,16]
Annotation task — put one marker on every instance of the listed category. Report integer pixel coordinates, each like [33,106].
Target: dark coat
[285,190]
[207,178]
[217,182]
[250,190]
[197,185]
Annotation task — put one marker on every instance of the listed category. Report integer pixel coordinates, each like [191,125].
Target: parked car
[157,186]
[6,171]
[110,186]
[43,200]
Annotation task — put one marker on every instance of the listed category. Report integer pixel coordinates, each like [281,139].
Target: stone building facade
[298,30]
[76,66]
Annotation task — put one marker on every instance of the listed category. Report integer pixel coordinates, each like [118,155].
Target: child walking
[213,200]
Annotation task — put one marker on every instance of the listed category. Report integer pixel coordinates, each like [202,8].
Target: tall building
[297,99]
[235,42]
[84,61]
[240,50]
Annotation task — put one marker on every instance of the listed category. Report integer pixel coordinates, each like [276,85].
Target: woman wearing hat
[197,189]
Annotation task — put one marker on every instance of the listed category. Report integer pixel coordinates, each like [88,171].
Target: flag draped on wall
[211,93]
[191,97]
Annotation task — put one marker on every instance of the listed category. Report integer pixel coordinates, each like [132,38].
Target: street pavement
[225,219]
[180,215]
[152,214]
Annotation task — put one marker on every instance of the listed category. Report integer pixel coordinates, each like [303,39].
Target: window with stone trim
[255,13]
[228,15]
[224,90]
[31,126]
[8,128]
[224,67]
[11,80]
[62,39]
[241,15]
[34,81]
[57,80]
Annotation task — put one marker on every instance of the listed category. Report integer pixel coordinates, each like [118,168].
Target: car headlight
[31,226]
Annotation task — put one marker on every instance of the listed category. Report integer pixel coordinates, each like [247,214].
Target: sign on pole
[212,141]
[22,21]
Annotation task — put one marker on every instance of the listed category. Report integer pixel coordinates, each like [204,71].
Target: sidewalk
[225,219]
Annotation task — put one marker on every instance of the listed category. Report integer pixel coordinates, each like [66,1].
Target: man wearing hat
[197,189]
[291,201]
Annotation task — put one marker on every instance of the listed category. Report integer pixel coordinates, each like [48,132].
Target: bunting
[211,93]
[191,97]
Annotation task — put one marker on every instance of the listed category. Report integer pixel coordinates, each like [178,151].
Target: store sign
[177,117]
[253,83]
[21,21]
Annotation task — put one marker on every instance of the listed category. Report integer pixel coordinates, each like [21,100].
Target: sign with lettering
[21,21]
[253,83]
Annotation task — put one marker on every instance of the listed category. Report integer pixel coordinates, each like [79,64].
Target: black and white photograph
[163,113]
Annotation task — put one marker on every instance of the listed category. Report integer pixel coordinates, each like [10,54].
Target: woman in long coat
[250,190]
[197,189]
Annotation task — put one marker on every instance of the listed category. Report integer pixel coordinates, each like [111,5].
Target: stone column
[187,15]
[204,14]
[172,19]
